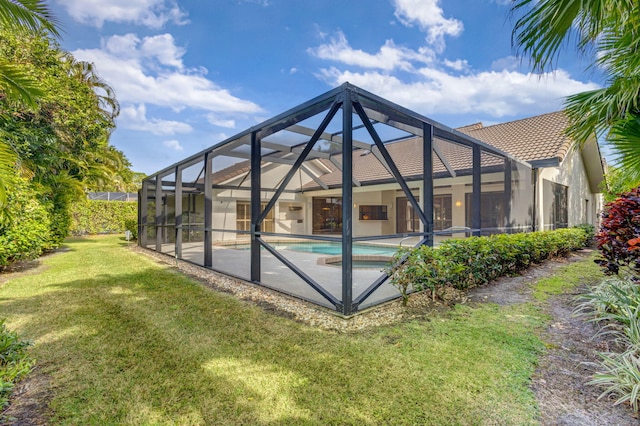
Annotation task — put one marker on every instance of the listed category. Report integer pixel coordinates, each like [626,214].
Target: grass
[569,277]
[124,340]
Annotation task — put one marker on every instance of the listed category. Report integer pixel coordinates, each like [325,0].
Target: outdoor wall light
[458,203]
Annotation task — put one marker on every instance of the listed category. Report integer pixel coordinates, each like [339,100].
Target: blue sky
[188,74]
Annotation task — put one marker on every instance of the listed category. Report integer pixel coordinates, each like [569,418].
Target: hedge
[465,263]
[27,227]
[102,217]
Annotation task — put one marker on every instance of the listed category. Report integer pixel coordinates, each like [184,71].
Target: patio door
[407,219]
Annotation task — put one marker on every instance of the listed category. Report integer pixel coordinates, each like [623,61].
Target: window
[373,213]
[442,212]
[556,203]
[327,215]
[243,217]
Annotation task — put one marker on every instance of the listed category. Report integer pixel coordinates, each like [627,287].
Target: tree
[15,84]
[608,29]
[619,181]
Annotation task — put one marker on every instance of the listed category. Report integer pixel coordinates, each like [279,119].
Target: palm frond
[7,171]
[625,141]
[18,85]
[28,14]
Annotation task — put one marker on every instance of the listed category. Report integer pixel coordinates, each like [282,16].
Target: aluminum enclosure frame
[351,102]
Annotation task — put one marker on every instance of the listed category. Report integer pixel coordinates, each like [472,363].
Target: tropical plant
[614,305]
[618,181]
[609,30]
[619,235]
[15,84]
[15,363]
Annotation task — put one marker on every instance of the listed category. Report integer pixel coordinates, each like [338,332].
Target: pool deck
[275,274]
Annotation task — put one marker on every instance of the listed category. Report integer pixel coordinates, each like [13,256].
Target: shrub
[101,217]
[26,230]
[614,304]
[15,362]
[131,225]
[469,262]
[589,229]
[619,235]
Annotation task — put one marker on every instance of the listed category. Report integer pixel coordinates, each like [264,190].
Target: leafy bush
[131,225]
[15,362]
[619,235]
[102,217]
[614,304]
[589,229]
[469,262]
[26,229]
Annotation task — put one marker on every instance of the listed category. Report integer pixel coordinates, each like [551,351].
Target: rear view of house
[313,202]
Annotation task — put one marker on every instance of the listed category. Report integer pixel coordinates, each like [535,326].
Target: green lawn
[124,340]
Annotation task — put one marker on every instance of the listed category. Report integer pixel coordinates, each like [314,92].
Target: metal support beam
[508,167]
[143,203]
[327,136]
[208,211]
[301,158]
[256,162]
[314,177]
[158,221]
[476,196]
[347,201]
[178,212]
[335,162]
[387,158]
[427,181]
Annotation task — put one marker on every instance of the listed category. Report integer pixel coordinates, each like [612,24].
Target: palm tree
[86,73]
[608,29]
[15,85]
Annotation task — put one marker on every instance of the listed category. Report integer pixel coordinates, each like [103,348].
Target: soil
[559,382]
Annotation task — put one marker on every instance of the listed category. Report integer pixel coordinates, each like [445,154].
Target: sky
[190,73]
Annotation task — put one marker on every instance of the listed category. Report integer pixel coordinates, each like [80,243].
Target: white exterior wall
[583,205]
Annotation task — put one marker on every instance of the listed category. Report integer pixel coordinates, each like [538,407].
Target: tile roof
[535,138]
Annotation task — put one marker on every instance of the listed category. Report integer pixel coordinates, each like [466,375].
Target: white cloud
[458,64]
[389,57]
[149,13]
[217,121]
[173,144]
[135,118]
[150,70]
[496,94]
[429,17]
[507,63]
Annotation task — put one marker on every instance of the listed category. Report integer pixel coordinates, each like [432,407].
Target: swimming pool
[327,248]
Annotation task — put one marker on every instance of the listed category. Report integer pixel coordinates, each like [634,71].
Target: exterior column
[427,181]
[208,211]
[256,160]
[476,221]
[178,213]
[347,202]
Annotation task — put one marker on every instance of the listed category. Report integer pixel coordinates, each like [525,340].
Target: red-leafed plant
[619,235]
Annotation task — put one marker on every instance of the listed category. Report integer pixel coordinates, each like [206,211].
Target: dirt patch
[28,405]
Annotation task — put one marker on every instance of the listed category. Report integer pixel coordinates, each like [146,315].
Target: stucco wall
[583,205]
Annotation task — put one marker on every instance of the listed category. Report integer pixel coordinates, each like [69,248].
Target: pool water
[328,248]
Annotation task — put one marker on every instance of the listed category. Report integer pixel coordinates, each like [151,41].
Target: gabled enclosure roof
[378,110]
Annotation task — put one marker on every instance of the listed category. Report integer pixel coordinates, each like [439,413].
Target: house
[313,201]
